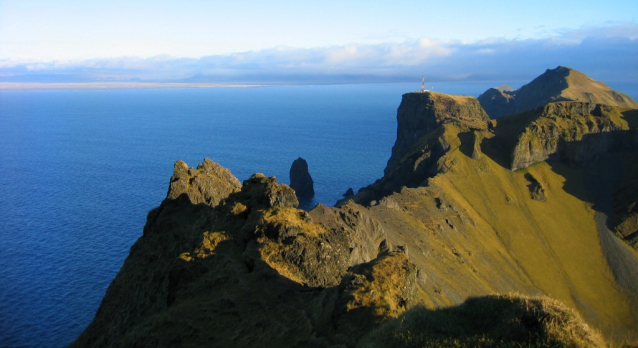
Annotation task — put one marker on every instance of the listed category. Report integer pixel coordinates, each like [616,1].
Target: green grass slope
[478,228]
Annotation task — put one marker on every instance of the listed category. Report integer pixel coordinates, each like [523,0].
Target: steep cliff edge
[554,85]
[421,113]
[447,227]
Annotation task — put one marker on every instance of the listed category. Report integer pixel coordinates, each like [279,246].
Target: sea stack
[300,179]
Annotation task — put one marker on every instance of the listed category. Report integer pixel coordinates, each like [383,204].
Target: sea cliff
[467,209]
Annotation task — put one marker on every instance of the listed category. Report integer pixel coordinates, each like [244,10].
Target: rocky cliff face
[570,131]
[415,257]
[300,179]
[555,85]
[423,112]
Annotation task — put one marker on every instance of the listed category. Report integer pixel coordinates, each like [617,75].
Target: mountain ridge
[448,226]
[554,85]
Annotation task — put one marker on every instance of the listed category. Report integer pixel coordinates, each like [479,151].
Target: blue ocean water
[80,169]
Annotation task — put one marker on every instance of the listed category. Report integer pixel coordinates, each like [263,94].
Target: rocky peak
[554,85]
[209,183]
[263,192]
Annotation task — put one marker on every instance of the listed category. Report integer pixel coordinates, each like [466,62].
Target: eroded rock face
[428,125]
[422,113]
[300,179]
[569,131]
[208,183]
[625,208]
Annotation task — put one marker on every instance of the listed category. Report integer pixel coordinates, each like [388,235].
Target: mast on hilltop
[422,83]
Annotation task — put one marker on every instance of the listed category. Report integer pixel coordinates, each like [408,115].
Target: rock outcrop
[555,85]
[209,183]
[569,131]
[276,275]
[421,113]
[300,179]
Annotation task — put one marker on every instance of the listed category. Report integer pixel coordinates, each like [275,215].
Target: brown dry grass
[292,218]
[382,286]
[207,247]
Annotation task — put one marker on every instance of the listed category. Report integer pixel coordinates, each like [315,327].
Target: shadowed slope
[490,321]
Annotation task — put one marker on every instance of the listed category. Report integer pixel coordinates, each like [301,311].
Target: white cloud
[607,52]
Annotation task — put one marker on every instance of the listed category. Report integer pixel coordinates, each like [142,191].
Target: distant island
[507,220]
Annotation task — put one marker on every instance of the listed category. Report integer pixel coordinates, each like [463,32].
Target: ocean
[80,169]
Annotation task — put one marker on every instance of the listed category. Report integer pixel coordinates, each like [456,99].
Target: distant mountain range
[508,232]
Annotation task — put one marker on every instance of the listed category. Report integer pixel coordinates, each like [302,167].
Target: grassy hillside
[477,230]
[424,250]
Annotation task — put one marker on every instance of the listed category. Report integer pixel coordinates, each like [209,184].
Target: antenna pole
[422,83]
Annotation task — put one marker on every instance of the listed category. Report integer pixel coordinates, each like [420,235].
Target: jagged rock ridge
[555,85]
[247,260]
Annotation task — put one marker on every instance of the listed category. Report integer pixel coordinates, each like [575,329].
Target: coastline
[21,86]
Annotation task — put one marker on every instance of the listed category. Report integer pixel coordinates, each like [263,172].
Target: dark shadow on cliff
[467,143]
[597,181]
[507,129]
[596,177]
[489,321]
[497,150]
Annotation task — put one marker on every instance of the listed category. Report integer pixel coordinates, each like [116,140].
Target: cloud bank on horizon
[282,42]
[601,53]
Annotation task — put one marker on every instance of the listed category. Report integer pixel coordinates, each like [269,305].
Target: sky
[313,42]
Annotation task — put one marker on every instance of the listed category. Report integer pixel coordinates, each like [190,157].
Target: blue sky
[325,41]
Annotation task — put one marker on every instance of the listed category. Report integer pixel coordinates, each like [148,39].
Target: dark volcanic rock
[349,192]
[300,179]
[536,190]
[568,131]
[424,119]
[497,103]
[251,271]
[421,113]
